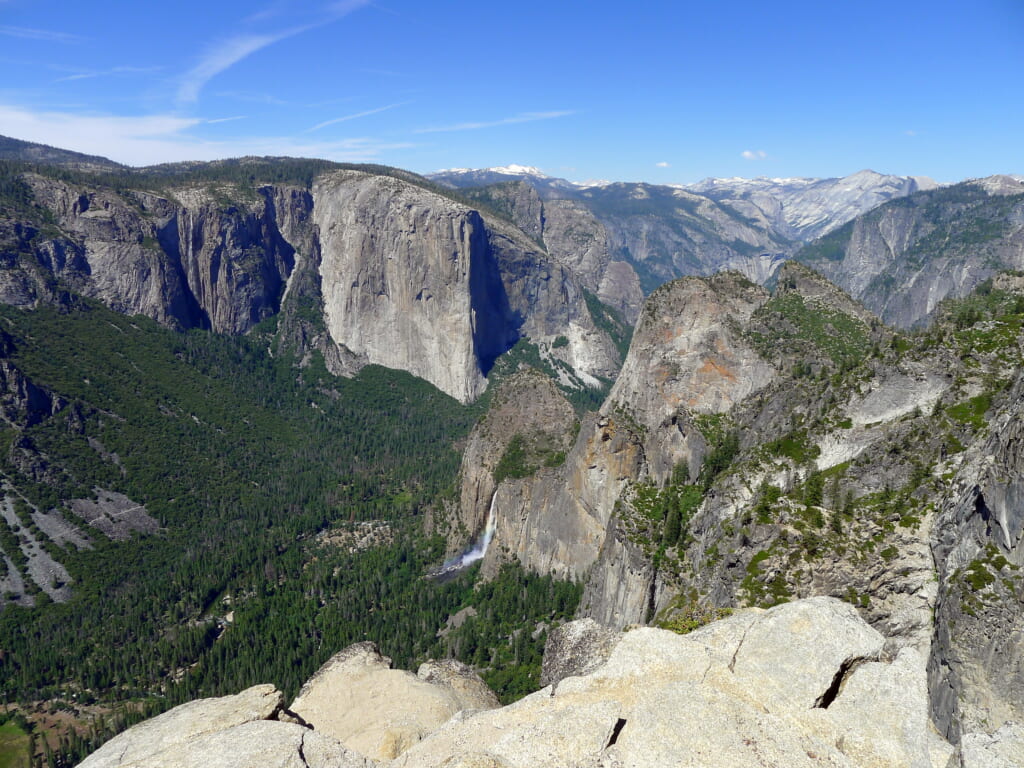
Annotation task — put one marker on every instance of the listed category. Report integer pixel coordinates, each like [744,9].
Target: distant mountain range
[803,209]
[796,208]
[903,258]
[638,235]
[621,240]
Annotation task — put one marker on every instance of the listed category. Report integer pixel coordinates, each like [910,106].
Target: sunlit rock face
[408,280]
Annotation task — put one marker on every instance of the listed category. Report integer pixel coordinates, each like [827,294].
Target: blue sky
[667,92]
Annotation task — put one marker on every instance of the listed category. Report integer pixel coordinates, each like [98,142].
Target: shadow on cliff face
[495,325]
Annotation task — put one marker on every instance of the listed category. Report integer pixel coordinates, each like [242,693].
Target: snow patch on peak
[527,170]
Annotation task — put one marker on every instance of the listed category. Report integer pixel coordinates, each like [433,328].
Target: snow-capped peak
[519,170]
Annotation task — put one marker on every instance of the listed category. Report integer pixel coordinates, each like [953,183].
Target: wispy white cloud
[329,102]
[356,116]
[151,139]
[265,14]
[106,72]
[222,56]
[46,35]
[133,140]
[225,54]
[662,164]
[225,119]
[754,154]
[525,117]
[910,133]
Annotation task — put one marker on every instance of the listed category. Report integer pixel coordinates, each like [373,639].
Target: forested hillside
[287,512]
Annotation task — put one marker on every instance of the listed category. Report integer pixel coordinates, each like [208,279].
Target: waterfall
[478,548]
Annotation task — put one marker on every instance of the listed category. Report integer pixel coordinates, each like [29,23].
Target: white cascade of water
[479,548]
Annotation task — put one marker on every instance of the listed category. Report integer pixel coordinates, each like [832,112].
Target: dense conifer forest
[265,481]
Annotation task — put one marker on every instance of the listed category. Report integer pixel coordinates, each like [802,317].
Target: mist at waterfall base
[474,552]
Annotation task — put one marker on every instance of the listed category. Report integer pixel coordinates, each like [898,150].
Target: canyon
[767,442]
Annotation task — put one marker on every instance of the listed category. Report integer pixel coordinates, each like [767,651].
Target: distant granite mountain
[803,209]
[904,257]
[462,178]
[624,240]
[638,236]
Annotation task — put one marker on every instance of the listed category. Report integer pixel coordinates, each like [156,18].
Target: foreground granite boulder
[807,683]
[380,712]
[802,684]
[1002,749]
[229,732]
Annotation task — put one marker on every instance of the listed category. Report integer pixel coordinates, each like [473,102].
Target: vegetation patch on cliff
[793,323]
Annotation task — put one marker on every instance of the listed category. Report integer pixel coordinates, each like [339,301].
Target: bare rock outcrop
[789,686]
[689,355]
[572,236]
[903,258]
[116,515]
[555,520]
[381,712]
[802,684]
[576,237]
[977,661]
[237,731]
[688,350]
[185,260]
[623,588]
[22,402]
[111,252]
[1002,749]
[547,301]
[576,648]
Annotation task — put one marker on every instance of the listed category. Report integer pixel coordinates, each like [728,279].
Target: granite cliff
[361,267]
[408,281]
[687,357]
[976,667]
[573,236]
[758,448]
